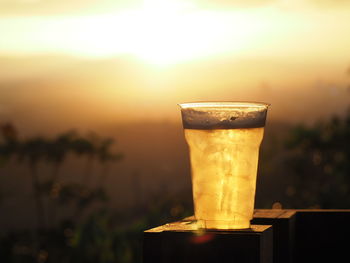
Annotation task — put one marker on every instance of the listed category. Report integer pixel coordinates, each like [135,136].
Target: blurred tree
[8,146]
[32,151]
[319,162]
[8,142]
[86,146]
[106,156]
[54,151]
[57,151]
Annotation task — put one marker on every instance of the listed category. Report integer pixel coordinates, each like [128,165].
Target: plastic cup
[224,140]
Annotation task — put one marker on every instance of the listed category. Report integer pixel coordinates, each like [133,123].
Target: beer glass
[224,140]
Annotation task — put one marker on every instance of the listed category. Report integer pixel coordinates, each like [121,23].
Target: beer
[224,167]
[224,141]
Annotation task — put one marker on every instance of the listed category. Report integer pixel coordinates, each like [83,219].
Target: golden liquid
[224,167]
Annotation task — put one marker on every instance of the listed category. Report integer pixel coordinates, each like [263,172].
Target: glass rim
[224,104]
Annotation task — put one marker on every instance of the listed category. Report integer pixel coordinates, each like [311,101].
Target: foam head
[223,115]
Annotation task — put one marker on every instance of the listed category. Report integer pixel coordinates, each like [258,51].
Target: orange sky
[103,60]
[167,32]
[90,65]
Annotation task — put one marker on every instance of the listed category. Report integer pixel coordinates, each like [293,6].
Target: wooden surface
[322,236]
[183,242]
[308,235]
[283,222]
[297,235]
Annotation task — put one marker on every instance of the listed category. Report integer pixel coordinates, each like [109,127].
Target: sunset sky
[119,68]
[116,59]
[166,32]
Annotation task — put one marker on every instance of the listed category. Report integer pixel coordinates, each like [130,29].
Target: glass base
[223,224]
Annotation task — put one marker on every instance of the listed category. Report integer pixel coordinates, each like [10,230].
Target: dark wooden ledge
[294,235]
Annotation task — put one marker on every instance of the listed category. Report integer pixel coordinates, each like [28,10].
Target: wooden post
[322,235]
[283,222]
[182,242]
[298,236]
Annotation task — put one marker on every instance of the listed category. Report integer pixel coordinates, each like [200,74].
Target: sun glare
[161,32]
[166,32]
[158,32]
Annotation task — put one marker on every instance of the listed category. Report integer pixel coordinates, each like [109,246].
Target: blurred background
[91,144]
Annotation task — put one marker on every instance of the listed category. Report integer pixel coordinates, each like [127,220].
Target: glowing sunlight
[158,32]
[162,33]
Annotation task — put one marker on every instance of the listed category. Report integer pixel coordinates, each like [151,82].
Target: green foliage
[319,164]
[8,142]
[49,238]
[315,160]
[59,147]
[102,235]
